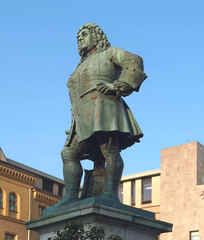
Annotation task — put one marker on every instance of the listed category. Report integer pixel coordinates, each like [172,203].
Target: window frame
[133,193]
[47,185]
[1,199]
[142,190]
[195,231]
[13,202]
[40,210]
[12,235]
[60,190]
[120,193]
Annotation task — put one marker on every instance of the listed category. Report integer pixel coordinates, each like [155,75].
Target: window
[1,199]
[120,192]
[40,211]
[146,190]
[47,185]
[60,188]
[133,192]
[12,202]
[10,237]
[194,235]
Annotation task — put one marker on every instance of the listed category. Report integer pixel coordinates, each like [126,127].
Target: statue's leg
[114,166]
[72,171]
[99,160]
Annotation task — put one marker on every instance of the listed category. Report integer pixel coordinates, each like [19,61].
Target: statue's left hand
[106,89]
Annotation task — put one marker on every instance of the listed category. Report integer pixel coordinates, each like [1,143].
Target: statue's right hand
[105,88]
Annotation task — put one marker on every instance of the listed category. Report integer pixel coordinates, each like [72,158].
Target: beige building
[175,192]
[182,191]
[24,194]
[142,190]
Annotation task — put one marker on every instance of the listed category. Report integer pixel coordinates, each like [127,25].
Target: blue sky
[38,52]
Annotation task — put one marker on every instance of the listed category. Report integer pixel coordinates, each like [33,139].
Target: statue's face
[85,41]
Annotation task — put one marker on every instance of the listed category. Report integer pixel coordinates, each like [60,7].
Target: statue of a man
[102,123]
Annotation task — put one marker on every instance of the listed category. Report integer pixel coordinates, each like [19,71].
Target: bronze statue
[102,123]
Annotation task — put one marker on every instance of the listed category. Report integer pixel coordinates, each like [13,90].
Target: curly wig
[100,40]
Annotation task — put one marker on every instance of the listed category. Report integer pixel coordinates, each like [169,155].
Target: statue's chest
[94,70]
[88,69]
[94,67]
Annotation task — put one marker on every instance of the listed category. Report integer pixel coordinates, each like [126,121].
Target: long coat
[93,111]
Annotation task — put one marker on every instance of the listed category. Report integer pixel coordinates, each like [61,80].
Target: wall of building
[154,205]
[13,227]
[12,222]
[182,201]
[30,196]
[200,164]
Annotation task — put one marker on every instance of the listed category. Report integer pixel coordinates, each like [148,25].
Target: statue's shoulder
[119,56]
[115,53]
[114,50]
[121,52]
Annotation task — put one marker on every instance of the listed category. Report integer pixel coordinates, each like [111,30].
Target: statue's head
[89,37]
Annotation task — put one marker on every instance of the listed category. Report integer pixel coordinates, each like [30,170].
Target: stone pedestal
[116,218]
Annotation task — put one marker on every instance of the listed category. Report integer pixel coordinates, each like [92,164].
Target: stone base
[125,221]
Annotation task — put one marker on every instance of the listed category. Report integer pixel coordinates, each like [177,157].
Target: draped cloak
[93,111]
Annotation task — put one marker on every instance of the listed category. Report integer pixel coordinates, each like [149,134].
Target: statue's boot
[72,171]
[114,169]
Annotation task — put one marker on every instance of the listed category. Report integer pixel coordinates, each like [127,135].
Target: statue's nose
[80,38]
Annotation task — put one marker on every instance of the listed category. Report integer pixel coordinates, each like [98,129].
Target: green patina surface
[102,123]
[93,110]
[97,207]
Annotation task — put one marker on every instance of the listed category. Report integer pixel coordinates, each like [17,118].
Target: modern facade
[182,191]
[175,193]
[142,190]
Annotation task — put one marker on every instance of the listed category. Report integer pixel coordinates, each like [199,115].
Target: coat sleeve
[131,66]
